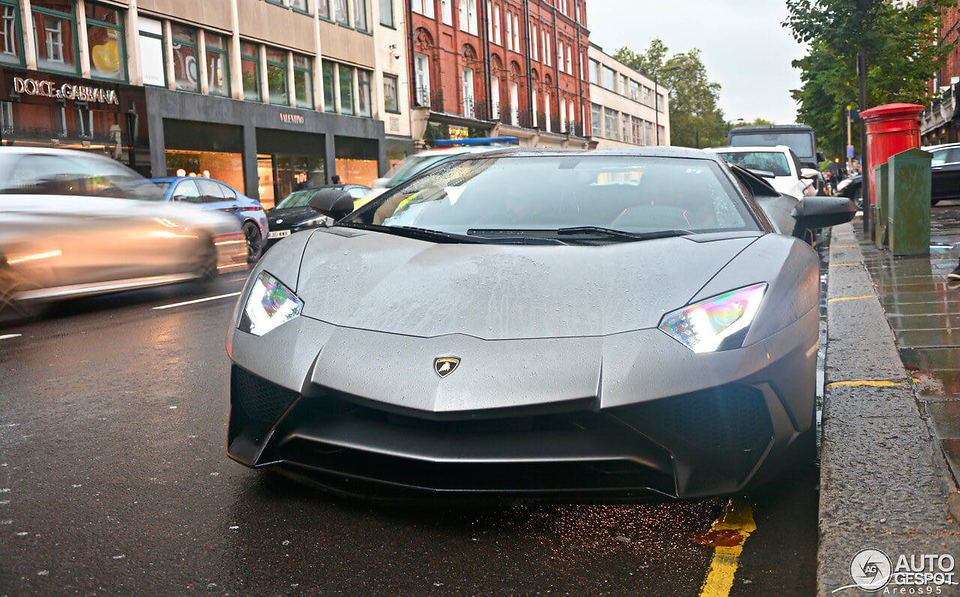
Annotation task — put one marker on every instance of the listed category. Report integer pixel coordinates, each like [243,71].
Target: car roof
[751,149]
[769,128]
[647,151]
[48,150]
[941,146]
[460,150]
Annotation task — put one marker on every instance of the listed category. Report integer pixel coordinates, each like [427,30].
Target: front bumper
[680,438]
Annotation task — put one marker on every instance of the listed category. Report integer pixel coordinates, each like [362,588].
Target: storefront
[46,110]
[262,150]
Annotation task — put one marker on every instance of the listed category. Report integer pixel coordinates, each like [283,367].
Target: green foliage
[695,118]
[901,49]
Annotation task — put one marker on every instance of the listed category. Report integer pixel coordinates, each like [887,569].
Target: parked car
[446,150]
[75,224]
[778,163]
[629,322]
[944,181]
[212,194]
[294,213]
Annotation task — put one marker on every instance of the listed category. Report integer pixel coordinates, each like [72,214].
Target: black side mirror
[821,157]
[333,203]
[814,213]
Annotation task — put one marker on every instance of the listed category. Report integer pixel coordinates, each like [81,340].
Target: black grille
[259,399]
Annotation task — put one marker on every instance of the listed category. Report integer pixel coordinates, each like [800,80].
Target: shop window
[54,26]
[363,93]
[341,14]
[386,13]
[277,77]
[186,69]
[223,166]
[265,181]
[250,70]
[151,52]
[84,123]
[360,15]
[218,65]
[391,97]
[10,36]
[346,89]
[299,6]
[356,160]
[106,41]
[303,80]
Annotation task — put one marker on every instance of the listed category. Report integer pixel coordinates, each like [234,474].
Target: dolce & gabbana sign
[66,91]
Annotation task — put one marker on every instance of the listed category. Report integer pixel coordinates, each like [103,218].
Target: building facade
[500,67]
[266,95]
[627,108]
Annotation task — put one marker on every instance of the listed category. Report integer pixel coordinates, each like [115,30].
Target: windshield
[412,166]
[74,174]
[773,162]
[549,193]
[800,143]
[297,199]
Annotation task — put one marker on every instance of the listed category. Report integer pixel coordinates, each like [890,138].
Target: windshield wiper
[588,231]
[414,232]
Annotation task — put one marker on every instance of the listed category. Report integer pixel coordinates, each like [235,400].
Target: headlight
[703,326]
[317,221]
[269,305]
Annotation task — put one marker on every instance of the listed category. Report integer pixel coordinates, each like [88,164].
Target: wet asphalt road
[114,479]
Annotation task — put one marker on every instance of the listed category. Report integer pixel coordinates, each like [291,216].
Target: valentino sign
[67,91]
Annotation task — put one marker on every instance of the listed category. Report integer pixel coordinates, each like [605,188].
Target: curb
[884,483]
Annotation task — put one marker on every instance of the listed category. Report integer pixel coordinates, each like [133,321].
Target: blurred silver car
[75,224]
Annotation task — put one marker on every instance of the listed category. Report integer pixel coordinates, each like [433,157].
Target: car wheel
[251,232]
[207,263]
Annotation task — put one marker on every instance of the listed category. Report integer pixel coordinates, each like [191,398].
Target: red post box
[891,129]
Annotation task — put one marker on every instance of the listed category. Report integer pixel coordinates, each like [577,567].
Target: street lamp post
[656,97]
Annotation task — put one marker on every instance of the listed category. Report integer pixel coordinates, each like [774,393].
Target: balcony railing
[422,96]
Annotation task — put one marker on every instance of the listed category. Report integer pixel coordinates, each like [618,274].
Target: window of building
[495,96]
[151,52]
[364,97]
[609,79]
[250,71]
[300,6]
[468,102]
[186,69]
[516,33]
[10,36]
[6,118]
[570,116]
[611,124]
[594,72]
[277,77]
[421,74]
[514,103]
[346,89]
[341,13]
[106,42]
[496,25]
[446,12]
[489,20]
[329,80]
[360,15]
[54,27]
[386,13]
[468,16]
[659,102]
[546,48]
[547,119]
[534,40]
[218,65]
[569,60]
[560,55]
[563,115]
[391,95]
[533,109]
[424,7]
[647,97]
[596,120]
[509,31]
[303,80]
[634,90]
[323,7]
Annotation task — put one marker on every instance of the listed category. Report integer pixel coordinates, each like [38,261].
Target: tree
[899,46]
[695,118]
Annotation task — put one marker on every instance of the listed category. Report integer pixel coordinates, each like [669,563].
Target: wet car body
[214,195]
[293,214]
[55,245]
[530,368]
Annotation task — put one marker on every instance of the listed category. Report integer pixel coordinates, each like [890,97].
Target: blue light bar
[476,142]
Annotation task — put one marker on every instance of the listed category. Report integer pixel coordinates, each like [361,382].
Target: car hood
[282,219]
[386,283]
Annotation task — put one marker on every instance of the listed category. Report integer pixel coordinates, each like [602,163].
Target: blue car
[213,194]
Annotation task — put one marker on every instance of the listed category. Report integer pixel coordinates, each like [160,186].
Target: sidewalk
[884,482]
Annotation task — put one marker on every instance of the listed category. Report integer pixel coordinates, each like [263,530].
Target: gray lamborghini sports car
[526,322]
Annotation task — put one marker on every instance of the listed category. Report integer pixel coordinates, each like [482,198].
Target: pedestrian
[335,179]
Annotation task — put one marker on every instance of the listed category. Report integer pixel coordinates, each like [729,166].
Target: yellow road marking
[844,246]
[851,298]
[872,384]
[843,264]
[737,516]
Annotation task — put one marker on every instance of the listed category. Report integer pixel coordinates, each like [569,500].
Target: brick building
[941,120]
[500,67]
